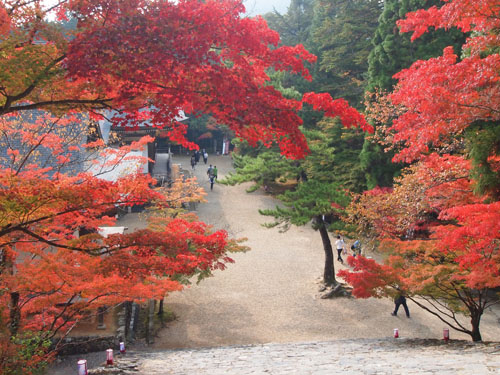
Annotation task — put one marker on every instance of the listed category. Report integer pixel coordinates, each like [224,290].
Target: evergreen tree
[293,26]
[312,201]
[264,170]
[323,181]
[342,32]
[393,51]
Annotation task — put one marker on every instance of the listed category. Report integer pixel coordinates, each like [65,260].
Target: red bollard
[122,348]
[396,333]
[109,356]
[82,367]
[446,334]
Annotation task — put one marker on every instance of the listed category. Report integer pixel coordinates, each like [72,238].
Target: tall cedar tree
[444,98]
[342,32]
[393,51]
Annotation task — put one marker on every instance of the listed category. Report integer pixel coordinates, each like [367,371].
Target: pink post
[446,334]
[109,356]
[396,333]
[122,348]
[82,367]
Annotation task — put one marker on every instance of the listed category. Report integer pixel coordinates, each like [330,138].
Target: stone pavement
[370,357]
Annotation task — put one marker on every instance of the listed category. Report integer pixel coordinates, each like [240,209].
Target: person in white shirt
[340,244]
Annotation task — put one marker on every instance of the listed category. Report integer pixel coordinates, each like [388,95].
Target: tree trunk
[150,322]
[329,272]
[15,313]
[160,308]
[475,320]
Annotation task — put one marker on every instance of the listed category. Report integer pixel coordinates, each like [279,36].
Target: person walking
[193,162]
[356,248]
[210,171]
[214,171]
[340,245]
[398,301]
[205,156]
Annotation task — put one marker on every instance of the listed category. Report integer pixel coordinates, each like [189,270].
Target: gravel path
[269,295]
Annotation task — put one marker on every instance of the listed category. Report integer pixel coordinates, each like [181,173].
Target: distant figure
[340,245]
[197,156]
[398,301]
[356,248]
[205,156]
[214,172]
[193,162]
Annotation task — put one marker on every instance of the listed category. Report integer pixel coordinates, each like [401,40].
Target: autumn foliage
[56,267]
[439,225]
[136,63]
[133,55]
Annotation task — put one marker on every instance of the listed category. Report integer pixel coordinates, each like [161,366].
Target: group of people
[195,158]
[212,175]
[399,300]
[212,170]
[342,249]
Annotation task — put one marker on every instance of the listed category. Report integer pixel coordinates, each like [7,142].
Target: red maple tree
[439,227]
[445,95]
[440,242]
[52,274]
[128,55]
[143,62]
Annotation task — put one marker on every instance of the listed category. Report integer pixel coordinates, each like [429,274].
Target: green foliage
[393,51]
[294,28]
[311,199]
[295,25]
[277,80]
[334,155]
[342,31]
[484,145]
[30,355]
[264,170]
[376,165]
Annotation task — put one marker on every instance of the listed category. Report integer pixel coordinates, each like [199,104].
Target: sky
[255,7]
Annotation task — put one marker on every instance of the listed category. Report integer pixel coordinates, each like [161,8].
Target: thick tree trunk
[475,320]
[329,272]
[15,313]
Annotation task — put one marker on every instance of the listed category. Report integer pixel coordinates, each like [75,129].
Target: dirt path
[270,293]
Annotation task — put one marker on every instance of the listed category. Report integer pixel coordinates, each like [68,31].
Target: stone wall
[126,324]
[87,344]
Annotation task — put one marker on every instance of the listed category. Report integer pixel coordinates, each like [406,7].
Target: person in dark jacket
[398,301]
[193,162]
